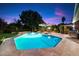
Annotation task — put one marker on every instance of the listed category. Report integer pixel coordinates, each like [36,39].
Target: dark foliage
[63,19]
[31,19]
[3,25]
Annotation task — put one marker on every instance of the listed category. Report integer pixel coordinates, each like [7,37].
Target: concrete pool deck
[66,47]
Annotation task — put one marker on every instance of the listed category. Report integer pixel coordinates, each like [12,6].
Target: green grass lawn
[6,35]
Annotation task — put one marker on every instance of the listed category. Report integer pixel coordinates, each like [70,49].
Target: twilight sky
[51,13]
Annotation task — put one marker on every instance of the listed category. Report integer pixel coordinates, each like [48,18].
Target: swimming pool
[34,40]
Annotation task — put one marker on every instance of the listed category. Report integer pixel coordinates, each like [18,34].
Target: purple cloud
[53,21]
[59,12]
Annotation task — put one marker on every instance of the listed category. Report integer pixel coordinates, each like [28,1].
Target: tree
[31,19]
[10,28]
[3,25]
[19,25]
[63,20]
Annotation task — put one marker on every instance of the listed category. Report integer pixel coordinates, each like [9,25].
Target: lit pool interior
[34,40]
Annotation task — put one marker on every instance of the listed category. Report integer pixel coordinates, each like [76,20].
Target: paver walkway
[66,47]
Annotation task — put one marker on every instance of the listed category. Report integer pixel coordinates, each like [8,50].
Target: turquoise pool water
[33,40]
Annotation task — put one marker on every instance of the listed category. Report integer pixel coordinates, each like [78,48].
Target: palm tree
[63,20]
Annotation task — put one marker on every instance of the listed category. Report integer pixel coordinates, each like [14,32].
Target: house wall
[77,25]
[76,17]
